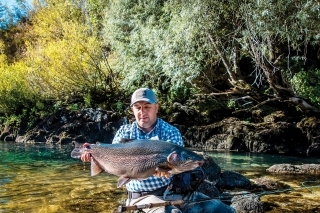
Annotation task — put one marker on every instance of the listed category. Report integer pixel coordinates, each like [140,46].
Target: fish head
[79,149]
[183,161]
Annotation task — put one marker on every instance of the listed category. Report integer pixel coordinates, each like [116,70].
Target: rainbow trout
[138,159]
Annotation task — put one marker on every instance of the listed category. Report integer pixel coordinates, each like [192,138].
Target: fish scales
[119,161]
[139,159]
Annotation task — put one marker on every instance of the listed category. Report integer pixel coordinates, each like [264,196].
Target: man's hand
[86,157]
[162,174]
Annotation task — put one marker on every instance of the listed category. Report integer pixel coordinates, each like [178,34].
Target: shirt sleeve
[119,134]
[174,136]
[170,133]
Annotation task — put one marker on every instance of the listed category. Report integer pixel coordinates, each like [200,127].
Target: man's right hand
[86,156]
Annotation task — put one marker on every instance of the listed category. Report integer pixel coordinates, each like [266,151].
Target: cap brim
[143,99]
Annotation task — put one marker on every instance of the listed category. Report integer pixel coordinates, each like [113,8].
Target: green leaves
[91,51]
[306,84]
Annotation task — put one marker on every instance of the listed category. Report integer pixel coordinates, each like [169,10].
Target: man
[148,126]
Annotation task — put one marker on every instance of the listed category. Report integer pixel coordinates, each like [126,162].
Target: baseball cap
[143,94]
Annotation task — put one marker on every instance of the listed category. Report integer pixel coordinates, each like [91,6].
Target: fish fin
[95,168]
[125,140]
[163,168]
[122,181]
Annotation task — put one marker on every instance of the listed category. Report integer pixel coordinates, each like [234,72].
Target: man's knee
[202,203]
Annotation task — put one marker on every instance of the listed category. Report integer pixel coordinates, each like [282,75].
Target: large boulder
[232,134]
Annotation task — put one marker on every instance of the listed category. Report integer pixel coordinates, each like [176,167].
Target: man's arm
[172,134]
[121,133]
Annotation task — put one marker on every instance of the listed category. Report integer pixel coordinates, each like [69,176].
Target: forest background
[203,57]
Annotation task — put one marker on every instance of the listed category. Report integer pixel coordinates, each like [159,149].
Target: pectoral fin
[163,168]
[122,181]
[95,168]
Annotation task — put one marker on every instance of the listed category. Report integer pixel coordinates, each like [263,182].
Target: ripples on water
[44,178]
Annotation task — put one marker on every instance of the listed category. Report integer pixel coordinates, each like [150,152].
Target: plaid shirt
[162,131]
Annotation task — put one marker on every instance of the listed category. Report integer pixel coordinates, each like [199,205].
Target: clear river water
[44,178]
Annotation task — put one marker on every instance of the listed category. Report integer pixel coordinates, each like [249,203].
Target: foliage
[306,84]
[60,60]
[78,67]
[95,53]
[173,44]
[15,93]
[275,47]
[156,44]
[231,104]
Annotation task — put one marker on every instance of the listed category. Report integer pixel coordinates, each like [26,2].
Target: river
[44,178]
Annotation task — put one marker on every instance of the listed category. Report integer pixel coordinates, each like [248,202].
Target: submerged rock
[295,169]
[268,184]
[247,204]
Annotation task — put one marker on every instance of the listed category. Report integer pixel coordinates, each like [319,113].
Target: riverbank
[275,133]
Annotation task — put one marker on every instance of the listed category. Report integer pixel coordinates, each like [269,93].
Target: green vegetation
[307,85]
[95,53]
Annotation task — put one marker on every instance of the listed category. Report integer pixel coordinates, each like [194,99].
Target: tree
[63,56]
[232,48]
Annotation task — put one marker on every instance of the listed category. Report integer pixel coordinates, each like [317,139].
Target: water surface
[44,178]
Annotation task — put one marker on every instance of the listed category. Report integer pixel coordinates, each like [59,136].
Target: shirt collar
[153,130]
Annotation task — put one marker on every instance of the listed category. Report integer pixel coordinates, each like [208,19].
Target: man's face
[145,114]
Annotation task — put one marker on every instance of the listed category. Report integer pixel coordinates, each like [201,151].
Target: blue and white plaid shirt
[162,131]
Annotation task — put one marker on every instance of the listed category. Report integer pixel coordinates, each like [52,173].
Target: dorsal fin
[125,140]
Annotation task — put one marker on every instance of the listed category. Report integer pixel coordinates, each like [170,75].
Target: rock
[231,180]
[232,134]
[314,150]
[247,204]
[9,137]
[5,131]
[275,117]
[212,176]
[295,169]
[20,139]
[267,184]
[310,126]
[64,126]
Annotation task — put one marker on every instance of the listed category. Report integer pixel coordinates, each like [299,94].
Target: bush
[306,84]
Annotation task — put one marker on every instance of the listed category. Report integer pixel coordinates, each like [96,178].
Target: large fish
[138,159]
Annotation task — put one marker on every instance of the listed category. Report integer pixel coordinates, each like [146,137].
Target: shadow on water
[44,178]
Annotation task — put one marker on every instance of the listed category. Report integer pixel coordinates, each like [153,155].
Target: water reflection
[44,178]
